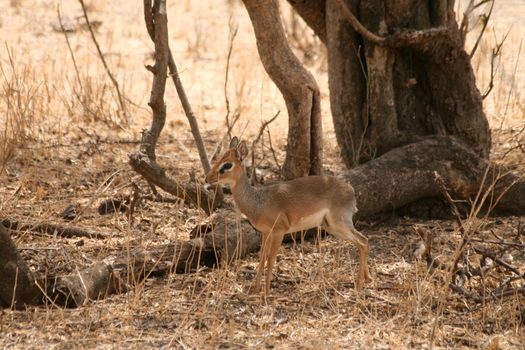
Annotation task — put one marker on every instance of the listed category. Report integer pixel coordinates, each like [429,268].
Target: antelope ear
[242,150]
[234,142]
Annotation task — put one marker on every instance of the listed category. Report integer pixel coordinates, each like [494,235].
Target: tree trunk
[405,104]
[403,94]
[297,85]
[17,284]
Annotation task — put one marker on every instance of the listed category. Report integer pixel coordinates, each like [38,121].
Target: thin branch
[101,55]
[457,216]
[496,52]
[499,261]
[485,19]
[361,29]
[69,47]
[259,135]
[189,112]
[232,35]
[504,243]
[277,165]
[402,38]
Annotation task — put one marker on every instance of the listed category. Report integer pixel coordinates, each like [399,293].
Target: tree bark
[347,82]
[17,284]
[387,94]
[297,85]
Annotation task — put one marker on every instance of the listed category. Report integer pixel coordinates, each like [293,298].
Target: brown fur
[291,206]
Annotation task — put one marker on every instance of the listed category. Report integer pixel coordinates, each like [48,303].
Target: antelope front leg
[263,252]
[276,239]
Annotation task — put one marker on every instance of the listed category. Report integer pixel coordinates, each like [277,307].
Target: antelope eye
[225,166]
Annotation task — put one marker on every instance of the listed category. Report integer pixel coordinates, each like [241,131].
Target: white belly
[310,221]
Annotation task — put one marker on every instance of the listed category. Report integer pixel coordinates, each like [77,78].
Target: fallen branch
[51,229]
[189,193]
[226,240]
[499,262]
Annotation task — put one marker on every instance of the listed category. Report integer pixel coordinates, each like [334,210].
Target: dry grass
[63,141]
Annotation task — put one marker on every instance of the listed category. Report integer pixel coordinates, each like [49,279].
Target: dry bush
[22,105]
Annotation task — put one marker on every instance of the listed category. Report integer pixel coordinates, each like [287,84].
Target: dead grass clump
[22,104]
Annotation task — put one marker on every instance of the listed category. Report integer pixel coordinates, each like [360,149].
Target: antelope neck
[246,197]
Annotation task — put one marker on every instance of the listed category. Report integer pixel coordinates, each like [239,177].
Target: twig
[233,34]
[464,238]
[443,189]
[466,294]
[485,19]
[514,73]
[101,55]
[69,47]
[499,261]
[135,198]
[48,228]
[272,149]
[464,26]
[510,244]
[496,52]
[259,135]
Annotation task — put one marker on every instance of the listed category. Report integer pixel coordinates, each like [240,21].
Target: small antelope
[291,206]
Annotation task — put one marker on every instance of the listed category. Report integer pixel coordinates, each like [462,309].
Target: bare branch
[361,29]
[259,135]
[101,55]
[485,19]
[233,34]
[400,39]
[69,46]
[144,162]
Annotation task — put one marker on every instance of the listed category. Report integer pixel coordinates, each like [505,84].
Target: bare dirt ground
[64,140]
